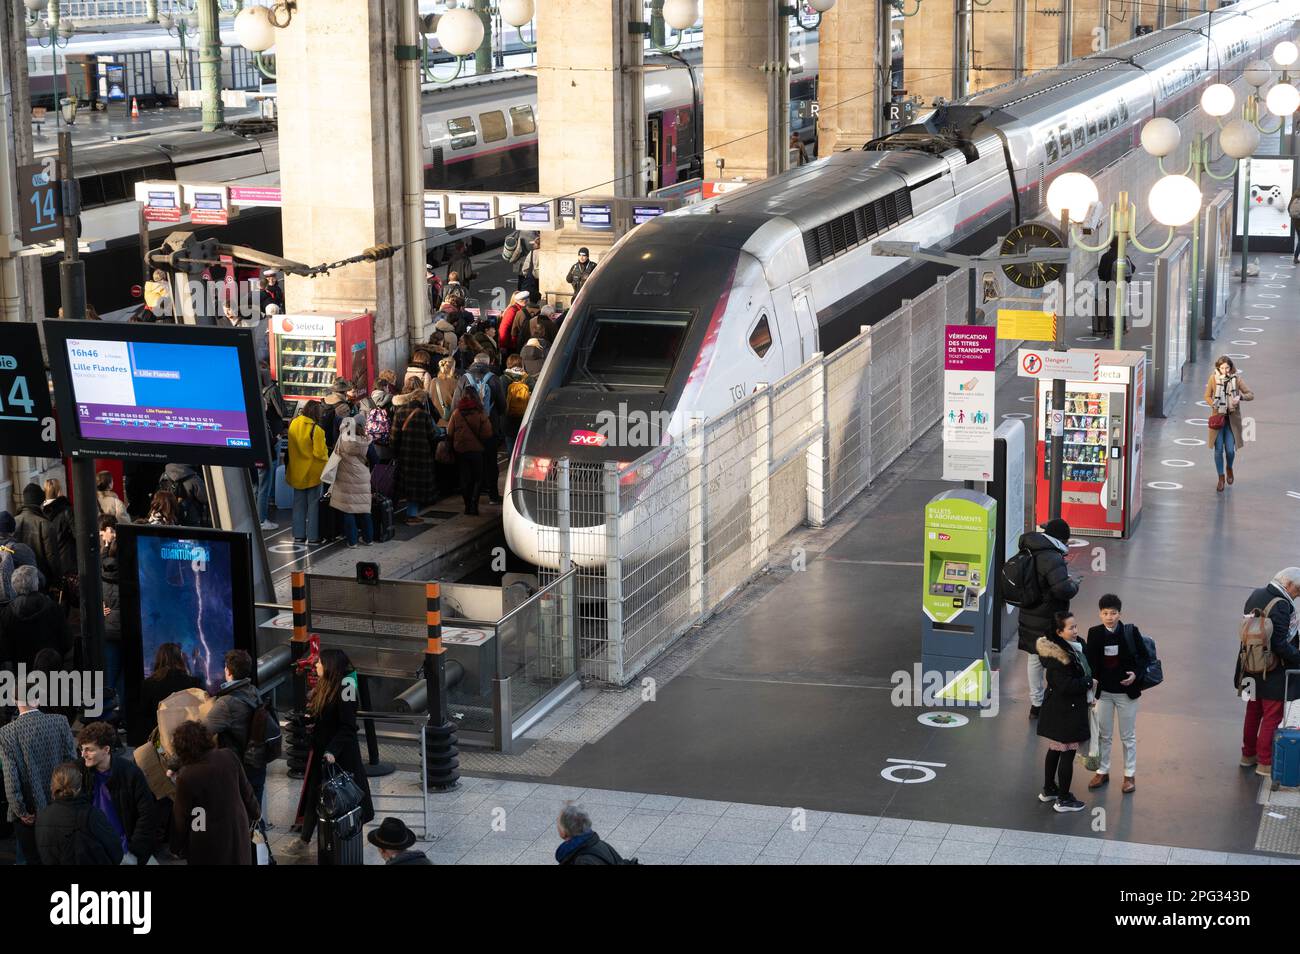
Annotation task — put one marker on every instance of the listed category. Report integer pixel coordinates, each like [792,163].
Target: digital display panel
[535,214]
[157,392]
[641,214]
[596,216]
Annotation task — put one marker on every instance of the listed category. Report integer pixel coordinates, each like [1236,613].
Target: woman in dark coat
[414,441]
[1063,720]
[211,779]
[70,830]
[333,707]
[170,674]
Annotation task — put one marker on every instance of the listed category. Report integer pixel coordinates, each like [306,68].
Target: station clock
[1024,238]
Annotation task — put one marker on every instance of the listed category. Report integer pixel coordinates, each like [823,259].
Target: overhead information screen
[186,399]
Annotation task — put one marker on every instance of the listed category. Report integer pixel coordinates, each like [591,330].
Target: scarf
[1225,389]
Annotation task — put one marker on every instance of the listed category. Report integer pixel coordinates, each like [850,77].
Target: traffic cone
[135,108]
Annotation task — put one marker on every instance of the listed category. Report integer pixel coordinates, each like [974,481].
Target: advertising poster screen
[188,586]
[1268,190]
[164,392]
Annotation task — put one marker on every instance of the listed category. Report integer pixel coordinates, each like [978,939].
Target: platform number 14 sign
[26,418]
[40,202]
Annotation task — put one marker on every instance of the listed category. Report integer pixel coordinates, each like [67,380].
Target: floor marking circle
[1146,347]
[1257,317]
[1016,416]
[1251,331]
[1292,493]
[1164,485]
[1176,462]
[1189,441]
[287,548]
[1198,421]
[1075,543]
[1260,304]
[943,720]
[1268,295]
[1027,399]
[1201,404]
[1088,338]
[1242,341]
[1275,286]
[1238,357]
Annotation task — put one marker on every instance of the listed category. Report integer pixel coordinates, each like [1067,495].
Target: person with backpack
[231,717]
[453,288]
[460,263]
[481,379]
[1117,656]
[276,413]
[1103,322]
[1268,649]
[1224,392]
[471,434]
[191,494]
[1041,586]
[71,830]
[415,443]
[307,457]
[580,271]
[118,788]
[1293,210]
[529,264]
[518,389]
[579,845]
[1064,721]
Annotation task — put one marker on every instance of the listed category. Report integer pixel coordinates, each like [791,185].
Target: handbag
[1092,761]
[1217,421]
[339,793]
[331,470]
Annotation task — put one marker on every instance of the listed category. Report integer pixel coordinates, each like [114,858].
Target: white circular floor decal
[1164,485]
[1198,421]
[1146,347]
[1237,356]
[1201,404]
[1189,441]
[1268,295]
[1027,399]
[927,770]
[1275,286]
[1251,331]
[287,548]
[943,720]
[1088,338]
[1260,304]
[1016,416]
[1075,542]
[1175,462]
[1257,317]
[1243,342]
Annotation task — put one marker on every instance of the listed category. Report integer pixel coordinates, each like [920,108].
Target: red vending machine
[1101,489]
[310,351]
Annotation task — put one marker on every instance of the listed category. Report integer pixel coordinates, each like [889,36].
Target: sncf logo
[588,439]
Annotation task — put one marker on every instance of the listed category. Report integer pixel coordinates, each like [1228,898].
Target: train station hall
[658,432]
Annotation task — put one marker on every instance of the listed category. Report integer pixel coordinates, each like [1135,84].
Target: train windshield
[630,349]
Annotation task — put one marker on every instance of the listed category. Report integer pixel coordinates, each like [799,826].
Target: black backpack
[265,741]
[86,849]
[1019,579]
[1153,671]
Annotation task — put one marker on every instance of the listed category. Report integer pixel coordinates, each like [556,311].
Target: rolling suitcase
[328,522]
[339,824]
[1286,745]
[283,492]
[381,515]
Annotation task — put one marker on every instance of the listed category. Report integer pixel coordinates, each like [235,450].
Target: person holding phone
[1117,655]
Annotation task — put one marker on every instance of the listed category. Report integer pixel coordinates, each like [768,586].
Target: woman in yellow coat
[307,457]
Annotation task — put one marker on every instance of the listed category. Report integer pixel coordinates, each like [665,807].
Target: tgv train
[687,313]
[478,135]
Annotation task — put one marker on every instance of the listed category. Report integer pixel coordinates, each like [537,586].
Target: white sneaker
[268,525]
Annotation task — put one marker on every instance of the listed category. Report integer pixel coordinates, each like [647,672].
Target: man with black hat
[1049,547]
[394,841]
[34,528]
[581,270]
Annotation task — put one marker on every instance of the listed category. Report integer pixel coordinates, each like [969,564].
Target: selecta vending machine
[310,351]
[1101,488]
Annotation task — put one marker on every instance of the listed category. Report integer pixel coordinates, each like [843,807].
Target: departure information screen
[158,393]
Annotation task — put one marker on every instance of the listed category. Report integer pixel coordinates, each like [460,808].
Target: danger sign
[1073,365]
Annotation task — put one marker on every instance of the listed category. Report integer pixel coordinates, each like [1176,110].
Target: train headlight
[1161,136]
[1217,100]
[1073,191]
[1283,99]
[1175,200]
[1285,53]
[534,468]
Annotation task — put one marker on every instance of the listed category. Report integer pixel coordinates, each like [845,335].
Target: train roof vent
[831,239]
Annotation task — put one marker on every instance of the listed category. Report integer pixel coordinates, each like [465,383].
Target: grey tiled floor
[491,822]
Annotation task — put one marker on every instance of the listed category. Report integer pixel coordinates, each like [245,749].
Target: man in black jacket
[232,711]
[581,845]
[31,621]
[1117,657]
[33,528]
[1264,693]
[1049,547]
[118,789]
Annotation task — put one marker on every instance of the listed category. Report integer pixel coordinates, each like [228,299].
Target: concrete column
[591,115]
[341,181]
[929,40]
[738,40]
[847,75]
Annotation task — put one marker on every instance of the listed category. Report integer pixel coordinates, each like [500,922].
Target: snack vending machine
[1101,488]
[310,351]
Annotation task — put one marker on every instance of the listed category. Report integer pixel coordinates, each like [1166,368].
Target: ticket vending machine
[957,600]
[1101,488]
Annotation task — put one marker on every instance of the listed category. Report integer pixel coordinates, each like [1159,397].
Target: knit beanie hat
[1057,528]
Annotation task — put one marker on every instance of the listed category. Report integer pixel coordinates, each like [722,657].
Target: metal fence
[661,543]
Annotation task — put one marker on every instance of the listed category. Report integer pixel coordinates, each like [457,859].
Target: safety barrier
[659,544]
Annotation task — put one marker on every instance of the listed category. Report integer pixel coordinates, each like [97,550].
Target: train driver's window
[462,132]
[522,121]
[760,339]
[1049,146]
[494,126]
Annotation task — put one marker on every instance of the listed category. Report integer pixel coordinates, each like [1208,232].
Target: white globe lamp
[1258,73]
[67,27]
[821,6]
[1073,191]
[1161,136]
[516,12]
[1218,99]
[254,30]
[1239,139]
[1175,200]
[1283,99]
[681,14]
[1285,53]
[35,6]
[460,31]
